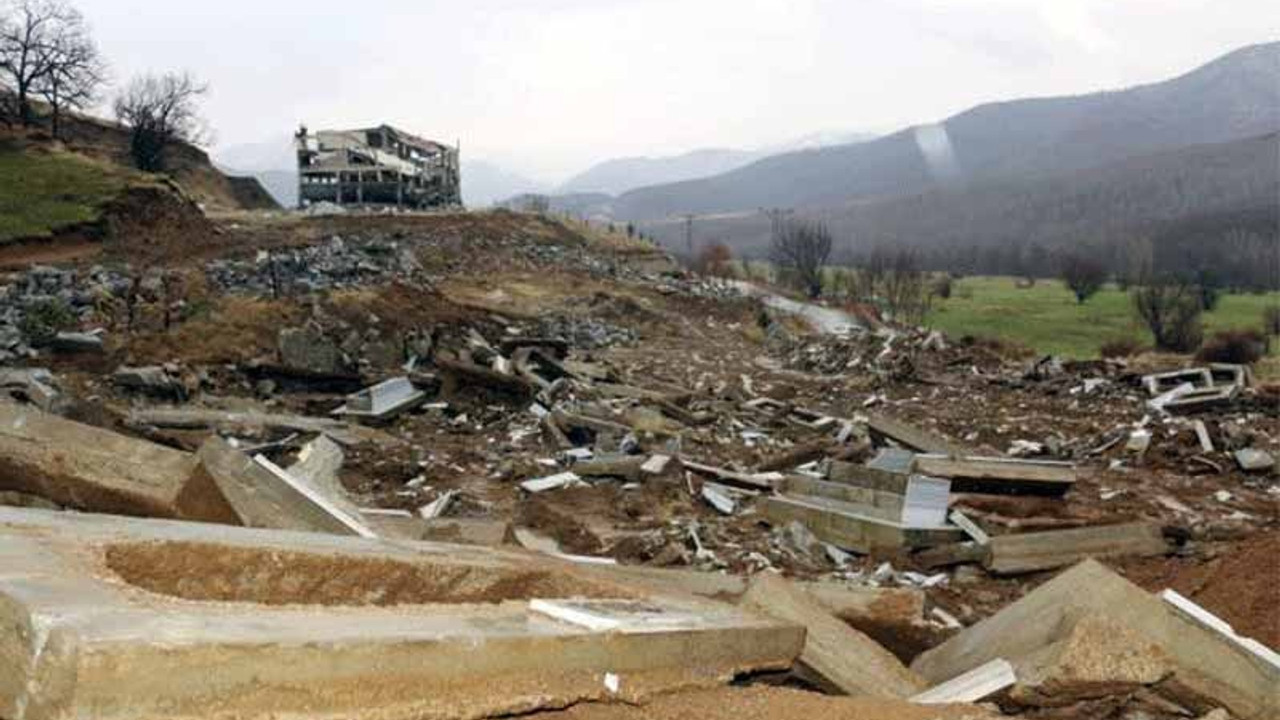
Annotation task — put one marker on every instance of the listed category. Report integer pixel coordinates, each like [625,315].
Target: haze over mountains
[1084,168]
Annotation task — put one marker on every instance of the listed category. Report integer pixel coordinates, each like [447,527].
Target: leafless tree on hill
[76,73]
[42,42]
[160,110]
[800,250]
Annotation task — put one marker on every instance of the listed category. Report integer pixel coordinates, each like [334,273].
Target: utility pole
[688,235]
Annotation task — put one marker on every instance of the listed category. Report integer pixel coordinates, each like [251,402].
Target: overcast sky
[547,87]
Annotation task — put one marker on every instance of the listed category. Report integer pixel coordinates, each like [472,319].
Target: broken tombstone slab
[848,526]
[90,469]
[77,342]
[1035,552]
[153,380]
[972,686]
[1253,460]
[383,401]
[281,624]
[1026,631]
[34,385]
[844,658]
[307,348]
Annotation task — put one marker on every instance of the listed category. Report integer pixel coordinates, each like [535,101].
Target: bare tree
[801,249]
[76,72]
[160,110]
[906,286]
[1171,309]
[33,34]
[1083,275]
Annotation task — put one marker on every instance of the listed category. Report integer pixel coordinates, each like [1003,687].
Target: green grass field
[42,191]
[1047,318]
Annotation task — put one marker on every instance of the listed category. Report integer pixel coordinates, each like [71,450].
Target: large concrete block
[96,470]
[1028,631]
[109,617]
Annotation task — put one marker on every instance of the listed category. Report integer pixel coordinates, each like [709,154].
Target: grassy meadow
[1047,318]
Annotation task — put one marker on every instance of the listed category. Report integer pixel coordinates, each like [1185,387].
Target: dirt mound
[149,223]
[1239,585]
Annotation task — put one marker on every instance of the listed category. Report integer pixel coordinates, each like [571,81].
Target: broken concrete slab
[1207,620]
[842,656]
[612,465]
[1254,460]
[1160,383]
[152,380]
[1203,660]
[95,470]
[975,685]
[912,500]
[307,348]
[766,482]
[264,495]
[844,526]
[318,464]
[551,482]
[719,497]
[1034,552]
[34,385]
[913,437]
[166,616]
[250,422]
[382,402]
[999,475]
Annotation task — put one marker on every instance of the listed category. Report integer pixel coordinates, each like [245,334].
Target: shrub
[1271,321]
[1120,348]
[1242,347]
[942,287]
[1171,310]
[45,319]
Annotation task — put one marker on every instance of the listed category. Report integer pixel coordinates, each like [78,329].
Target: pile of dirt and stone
[940,507]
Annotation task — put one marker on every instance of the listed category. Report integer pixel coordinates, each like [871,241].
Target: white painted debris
[718,497]
[577,454]
[1202,434]
[1198,615]
[972,686]
[1025,449]
[925,503]
[1223,496]
[382,400]
[947,620]
[655,465]
[970,528]
[574,615]
[316,498]
[1139,442]
[612,683]
[438,507]
[551,482]
[1159,402]
[1253,460]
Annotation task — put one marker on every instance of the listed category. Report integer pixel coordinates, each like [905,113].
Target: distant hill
[1193,202]
[617,176]
[485,183]
[614,177]
[1233,97]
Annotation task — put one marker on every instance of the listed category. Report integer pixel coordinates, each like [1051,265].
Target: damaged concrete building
[379,166]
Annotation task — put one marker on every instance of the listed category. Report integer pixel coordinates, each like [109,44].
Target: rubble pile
[615,465]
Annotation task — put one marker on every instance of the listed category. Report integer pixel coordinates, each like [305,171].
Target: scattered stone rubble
[910,485]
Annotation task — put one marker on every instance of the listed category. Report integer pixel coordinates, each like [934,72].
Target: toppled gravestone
[1089,629]
[306,348]
[153,381]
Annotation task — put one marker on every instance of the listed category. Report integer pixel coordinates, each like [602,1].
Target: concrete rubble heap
[477,465]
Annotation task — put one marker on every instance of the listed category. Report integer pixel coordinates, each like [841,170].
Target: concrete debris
[1252,460]
[718,497]
[975,685]
[95,470]
[438,507]
[999,475]
[970,528]
[551,482]
[1211,622]
[34,385]
[840,656]
[383,401]
[847,526]
[154,381]
[1034,552]
[252,422]
[315,618]
[1130,636]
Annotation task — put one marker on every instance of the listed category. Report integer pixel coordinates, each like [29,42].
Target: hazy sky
[546,87]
